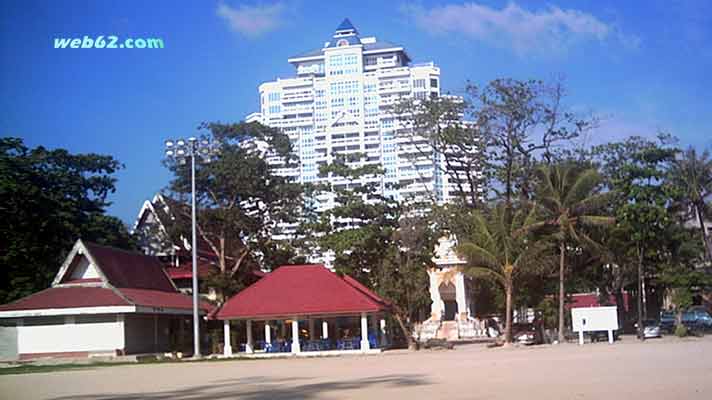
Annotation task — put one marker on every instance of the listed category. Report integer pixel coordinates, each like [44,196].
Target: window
[433,82]
[343,64]
[419,83]
[274,97]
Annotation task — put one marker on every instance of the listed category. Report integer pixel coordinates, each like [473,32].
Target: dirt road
[663,369]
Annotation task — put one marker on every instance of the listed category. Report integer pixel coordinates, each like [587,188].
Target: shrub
[681,331]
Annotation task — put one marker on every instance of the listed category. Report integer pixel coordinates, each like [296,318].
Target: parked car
[651,328]
[602,336]
[667,321]
[526,334]
[696,318]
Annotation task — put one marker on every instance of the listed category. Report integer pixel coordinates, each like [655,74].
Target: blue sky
[643,66]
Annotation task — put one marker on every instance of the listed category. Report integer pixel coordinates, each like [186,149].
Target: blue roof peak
[345,25]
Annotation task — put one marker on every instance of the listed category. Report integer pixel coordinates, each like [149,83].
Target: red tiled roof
[139,279]
[67,297]
[83,296]
[125,269]
[300,290]
[185,270]
[155,298]
[593,300]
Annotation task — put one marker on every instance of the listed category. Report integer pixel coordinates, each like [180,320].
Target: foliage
[499,249]
[521,121]
[681,330]
[51,198]
[383,243]
[692,174]
[242,203]
[569,198]
[434,126]
[645,213]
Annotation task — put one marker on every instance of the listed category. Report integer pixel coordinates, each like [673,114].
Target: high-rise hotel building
[339,101]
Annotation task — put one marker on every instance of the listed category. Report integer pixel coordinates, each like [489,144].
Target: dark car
[696,318]
[667,321]
[527,334]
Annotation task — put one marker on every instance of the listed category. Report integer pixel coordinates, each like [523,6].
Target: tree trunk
[406,331]
[508,316]
[562,293]
[705,239]
[641,336]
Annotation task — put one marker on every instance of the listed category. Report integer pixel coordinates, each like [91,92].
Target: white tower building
[339,103]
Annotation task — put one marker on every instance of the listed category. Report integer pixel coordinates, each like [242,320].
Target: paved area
[657,369]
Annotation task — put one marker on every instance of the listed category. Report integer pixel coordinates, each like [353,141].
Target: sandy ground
[657,369]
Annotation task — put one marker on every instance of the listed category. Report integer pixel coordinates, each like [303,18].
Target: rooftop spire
[346,27]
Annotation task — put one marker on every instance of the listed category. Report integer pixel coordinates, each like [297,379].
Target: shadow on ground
[261,388]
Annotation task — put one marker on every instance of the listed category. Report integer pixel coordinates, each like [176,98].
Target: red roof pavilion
[302,290]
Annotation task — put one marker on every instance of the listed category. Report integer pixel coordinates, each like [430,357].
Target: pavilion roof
[301,290]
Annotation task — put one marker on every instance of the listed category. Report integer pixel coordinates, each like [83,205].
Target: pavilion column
[295,336]
[227,347]
[312,330]
[382,334]
[364,333]
[460,296]
[268,333]
[249,346]
[324,330]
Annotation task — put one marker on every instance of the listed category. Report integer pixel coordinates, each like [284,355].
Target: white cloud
[252,20]
[523,31]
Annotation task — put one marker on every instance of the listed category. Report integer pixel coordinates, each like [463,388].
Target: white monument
[451,308]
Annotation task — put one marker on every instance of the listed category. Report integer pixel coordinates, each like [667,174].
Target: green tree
[692,173]
[645,214]
[498,248]
[522,123]
[50,198]
[435,127]
[678,270]
[381,242]
[569,197]
[242,204]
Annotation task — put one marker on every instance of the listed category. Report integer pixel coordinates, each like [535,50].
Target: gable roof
[125,269]
[125,279]
[300,290]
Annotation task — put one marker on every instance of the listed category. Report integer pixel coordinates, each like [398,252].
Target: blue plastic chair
[372,341]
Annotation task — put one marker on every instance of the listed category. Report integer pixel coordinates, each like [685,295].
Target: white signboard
[590,319]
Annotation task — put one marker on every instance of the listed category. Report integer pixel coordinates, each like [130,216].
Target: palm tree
[497,248]
[693,175]
[569,196]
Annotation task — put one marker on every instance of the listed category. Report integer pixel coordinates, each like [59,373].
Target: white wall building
[103,301]
[339,101]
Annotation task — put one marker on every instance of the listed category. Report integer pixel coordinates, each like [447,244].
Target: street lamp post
[179,151]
